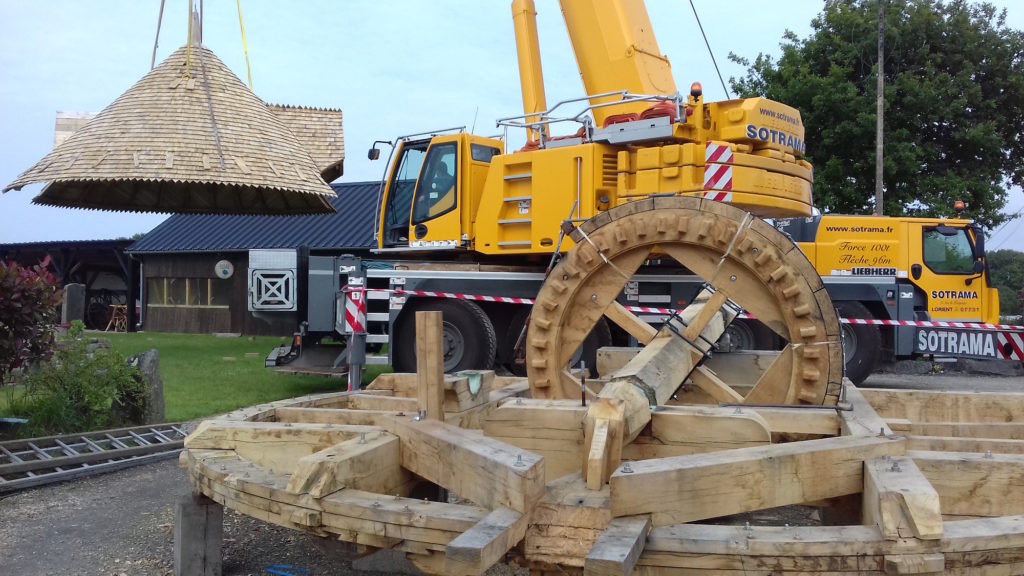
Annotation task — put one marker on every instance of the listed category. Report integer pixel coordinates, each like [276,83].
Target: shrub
[29,298]
[77,389]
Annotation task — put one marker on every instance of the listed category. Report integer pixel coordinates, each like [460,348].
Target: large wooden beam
[707,428]
[950,444]
[690,488]
[430,364]
[491,473]
[971,484]
[480,547]
[617,549]
[370,462]
[272,445]
[934,406]
[899,500]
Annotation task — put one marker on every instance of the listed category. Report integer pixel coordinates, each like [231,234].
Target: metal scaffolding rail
[37,461]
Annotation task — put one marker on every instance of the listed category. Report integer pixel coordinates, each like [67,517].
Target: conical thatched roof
[320,132]
[155,149]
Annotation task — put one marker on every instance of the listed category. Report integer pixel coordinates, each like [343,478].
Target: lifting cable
[706,43]
[244,47]
[156,41]
[206,88]
[188,45]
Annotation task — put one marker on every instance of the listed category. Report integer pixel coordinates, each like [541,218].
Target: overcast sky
[393,67]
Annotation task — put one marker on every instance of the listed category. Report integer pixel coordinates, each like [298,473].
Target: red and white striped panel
[355,311]
[1011,345]
[718,172]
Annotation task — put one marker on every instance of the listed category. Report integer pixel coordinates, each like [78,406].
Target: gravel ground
[121,523]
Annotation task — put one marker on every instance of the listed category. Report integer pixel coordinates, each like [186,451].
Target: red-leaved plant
[29,301]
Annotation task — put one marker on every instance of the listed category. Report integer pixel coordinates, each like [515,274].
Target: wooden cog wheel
[745,261]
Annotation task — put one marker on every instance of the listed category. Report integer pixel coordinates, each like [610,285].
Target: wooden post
[198,535]
[430,364]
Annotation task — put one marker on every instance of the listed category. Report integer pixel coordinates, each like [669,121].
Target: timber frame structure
[662,464]
[906,482]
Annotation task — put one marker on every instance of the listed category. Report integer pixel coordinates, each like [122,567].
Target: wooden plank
[342,416]
[618,548]
[1001,430]
[939,406]
[371,462]
[709,428]
[635,327]
[861,419]
[551,428]
[701,486]
[705,379]
[484,470]
[899,500]
[971,484]
[483,545]
[800,419]
[378,402]
[430,364]
[951,444]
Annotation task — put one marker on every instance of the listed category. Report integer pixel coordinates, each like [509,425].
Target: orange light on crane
[959,207]
[696,90]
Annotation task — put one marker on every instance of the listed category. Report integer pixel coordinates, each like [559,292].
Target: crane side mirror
[374,153]
[979,266]
[979,241]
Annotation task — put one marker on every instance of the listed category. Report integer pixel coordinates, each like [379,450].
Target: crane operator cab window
[436,192]
[399,199]
[947,250]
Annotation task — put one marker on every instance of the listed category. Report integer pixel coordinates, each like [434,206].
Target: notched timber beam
[618,547]
[701,486]
[900,501]
[371,462]
[486,471]
[480,547]
[272,445]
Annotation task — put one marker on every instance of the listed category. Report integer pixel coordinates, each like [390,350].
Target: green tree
[1007,269]
[954,104]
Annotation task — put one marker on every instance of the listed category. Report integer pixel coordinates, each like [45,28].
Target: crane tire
[862,344]
[468,336]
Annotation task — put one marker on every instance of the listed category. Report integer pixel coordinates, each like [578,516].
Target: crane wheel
[751,263]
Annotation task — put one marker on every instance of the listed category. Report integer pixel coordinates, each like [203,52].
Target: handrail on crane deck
[545,118]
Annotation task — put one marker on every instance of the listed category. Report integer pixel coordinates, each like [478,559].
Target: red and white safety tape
[651,310]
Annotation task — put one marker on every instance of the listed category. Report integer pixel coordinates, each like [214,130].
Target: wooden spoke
[634,326]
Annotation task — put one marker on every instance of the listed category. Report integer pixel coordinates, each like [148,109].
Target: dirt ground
[121,523]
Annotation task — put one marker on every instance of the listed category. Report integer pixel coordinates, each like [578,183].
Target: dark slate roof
[349,228]
[119,243]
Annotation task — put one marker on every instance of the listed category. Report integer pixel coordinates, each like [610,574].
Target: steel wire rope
[708,44]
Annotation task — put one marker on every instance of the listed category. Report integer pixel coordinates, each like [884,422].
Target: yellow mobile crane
[674,176]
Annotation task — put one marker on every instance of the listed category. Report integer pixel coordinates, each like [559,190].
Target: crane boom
[616,49]
[531,76]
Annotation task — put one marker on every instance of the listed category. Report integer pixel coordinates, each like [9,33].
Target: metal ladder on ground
[38,461]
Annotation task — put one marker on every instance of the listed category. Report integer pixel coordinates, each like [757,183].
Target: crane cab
[432,190]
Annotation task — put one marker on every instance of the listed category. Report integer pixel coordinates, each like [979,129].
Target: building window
[187,292]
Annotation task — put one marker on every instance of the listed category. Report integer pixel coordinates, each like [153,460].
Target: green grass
[199,382]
